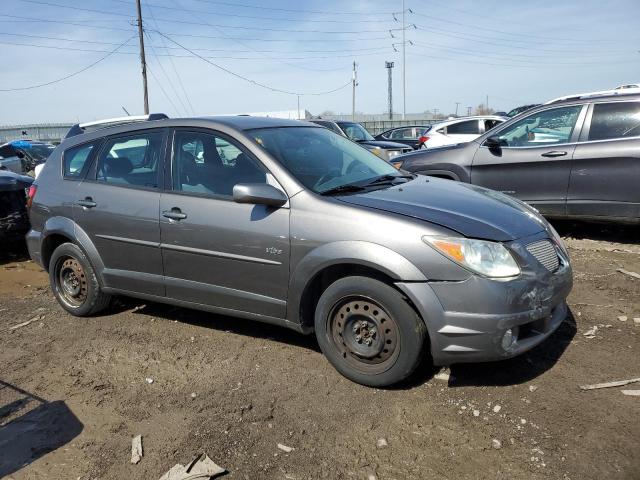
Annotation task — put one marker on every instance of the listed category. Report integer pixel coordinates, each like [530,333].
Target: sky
[209,57]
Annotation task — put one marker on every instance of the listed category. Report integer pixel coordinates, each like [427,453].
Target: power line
[192,35]
[348,53]
[30,87]
[246,79]
[292,10]
[175,70]
[256,17]
[188,22]
[164,92]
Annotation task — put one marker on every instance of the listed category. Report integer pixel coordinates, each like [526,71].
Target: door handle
[87,202]
[174,214]
[554,153]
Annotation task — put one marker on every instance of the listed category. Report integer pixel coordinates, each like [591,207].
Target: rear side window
[132,161]
[75,159]
[615,120]
[468,127]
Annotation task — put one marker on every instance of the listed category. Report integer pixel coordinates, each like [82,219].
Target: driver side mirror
[259,194]
[494,145]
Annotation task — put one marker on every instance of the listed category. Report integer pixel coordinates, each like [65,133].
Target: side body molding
[353,252]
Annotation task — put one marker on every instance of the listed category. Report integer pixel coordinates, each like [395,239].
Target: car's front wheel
[74,283]
[368,331]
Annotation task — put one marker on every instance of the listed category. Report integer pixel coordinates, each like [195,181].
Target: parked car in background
[457,130]
[409,135]
[518,110]
[22,156]
[357,133]
[628,85]
[14,221]
[574,158]
[302,228]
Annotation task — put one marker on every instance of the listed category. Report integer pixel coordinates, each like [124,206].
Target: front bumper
[467,320]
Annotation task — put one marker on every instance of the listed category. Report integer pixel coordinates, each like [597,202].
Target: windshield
[355,131]
[320,159]
[40,151]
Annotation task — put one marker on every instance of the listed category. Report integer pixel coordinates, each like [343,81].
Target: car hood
[470,210]
[383,144]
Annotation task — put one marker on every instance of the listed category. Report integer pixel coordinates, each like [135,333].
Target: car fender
[366,254]
[67,227]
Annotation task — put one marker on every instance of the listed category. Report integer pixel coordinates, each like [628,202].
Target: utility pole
[404,65]
[457,105]
[298,115]
[469,111]
[143,60]
[435,113]
[486,105]
[354,83]
[389,67]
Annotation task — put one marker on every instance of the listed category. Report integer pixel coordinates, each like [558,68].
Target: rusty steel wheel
[72,282]
[364,333]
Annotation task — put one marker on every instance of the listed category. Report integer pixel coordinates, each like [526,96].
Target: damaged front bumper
[481,319]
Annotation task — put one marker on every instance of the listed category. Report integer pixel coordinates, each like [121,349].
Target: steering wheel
[327,176]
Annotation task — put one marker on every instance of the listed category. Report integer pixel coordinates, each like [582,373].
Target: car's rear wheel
[74,283]
[368,331]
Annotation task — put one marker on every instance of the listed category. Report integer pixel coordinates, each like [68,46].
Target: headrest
[117,166]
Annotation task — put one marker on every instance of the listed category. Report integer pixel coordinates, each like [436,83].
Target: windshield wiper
[343,189]
[387,179]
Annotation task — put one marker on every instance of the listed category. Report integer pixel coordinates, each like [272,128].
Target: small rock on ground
[497,444]
[381,443]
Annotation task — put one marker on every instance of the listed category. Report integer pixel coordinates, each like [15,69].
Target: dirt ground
[73,392]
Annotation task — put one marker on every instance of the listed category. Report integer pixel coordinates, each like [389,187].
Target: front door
[117,206]
[534,160]
[217,252]
[605,178]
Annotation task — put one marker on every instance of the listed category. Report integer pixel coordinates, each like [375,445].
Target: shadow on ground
[608,232]
[238,326]
[31,427]
[14,252]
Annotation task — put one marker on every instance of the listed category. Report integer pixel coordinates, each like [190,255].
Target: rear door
[605,179]
[534,161]
[217,252]
[117,205]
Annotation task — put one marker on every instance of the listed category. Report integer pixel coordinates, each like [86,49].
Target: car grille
[545,252]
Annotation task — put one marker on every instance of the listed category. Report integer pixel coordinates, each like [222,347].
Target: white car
[458,130]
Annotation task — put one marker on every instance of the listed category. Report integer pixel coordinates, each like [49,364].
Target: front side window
[209,164]
[548,127]
[615,120]
[131,161]
[470,127]
[74,160]
[403,134]
[320,159]
[355,131]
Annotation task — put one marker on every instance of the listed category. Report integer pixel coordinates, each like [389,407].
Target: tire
[74,282]
[368,331]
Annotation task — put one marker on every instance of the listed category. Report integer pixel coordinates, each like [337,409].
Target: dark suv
[288,223]
[574,158]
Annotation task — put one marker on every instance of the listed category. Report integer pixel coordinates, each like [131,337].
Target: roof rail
[79,128]
[602,93]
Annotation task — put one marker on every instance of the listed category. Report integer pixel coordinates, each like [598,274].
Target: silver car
[288,223]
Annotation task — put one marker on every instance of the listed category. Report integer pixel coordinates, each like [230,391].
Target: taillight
[31,195]
[423,139]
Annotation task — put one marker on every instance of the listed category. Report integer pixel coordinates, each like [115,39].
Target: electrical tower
[389,67]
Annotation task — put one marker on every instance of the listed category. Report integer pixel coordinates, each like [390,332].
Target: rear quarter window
[74,160]
[615,120]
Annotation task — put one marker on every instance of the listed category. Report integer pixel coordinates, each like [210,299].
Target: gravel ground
[73,392]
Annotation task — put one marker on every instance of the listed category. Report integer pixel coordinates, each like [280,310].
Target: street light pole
[404,65]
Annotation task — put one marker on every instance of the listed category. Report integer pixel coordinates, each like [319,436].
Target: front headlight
[490,259]
[393,153]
